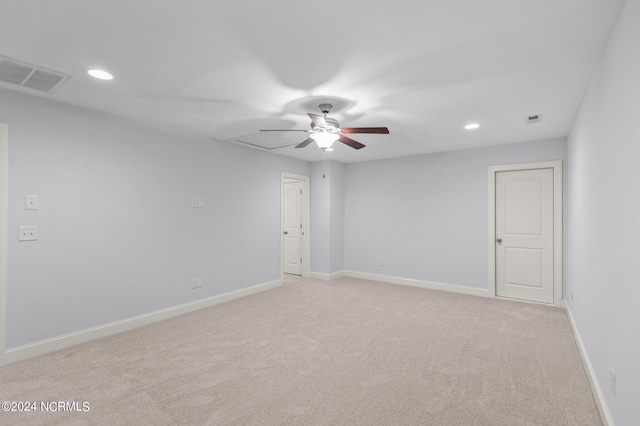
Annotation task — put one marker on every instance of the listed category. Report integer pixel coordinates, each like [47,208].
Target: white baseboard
[601,402]
[418,283]
[326,277]
[62,342]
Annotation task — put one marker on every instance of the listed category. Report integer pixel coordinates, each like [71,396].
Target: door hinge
[301,192]
[300,260]
[300,226]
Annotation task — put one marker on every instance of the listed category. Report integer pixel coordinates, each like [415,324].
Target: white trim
[4,143]
[306,223]
[62,342]
[556,165]
[452,288]
[601,402]
[327,277]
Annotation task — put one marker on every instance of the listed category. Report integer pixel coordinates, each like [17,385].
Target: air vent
[530,119]
[30,76]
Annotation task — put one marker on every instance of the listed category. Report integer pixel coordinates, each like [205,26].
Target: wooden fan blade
[318,120]
[304,143]
[375,130]
[348,141]
[284,130]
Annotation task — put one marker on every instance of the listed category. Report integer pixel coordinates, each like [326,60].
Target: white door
[524,234]
[292,228]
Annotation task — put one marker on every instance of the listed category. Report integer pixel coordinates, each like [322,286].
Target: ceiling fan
[325,131]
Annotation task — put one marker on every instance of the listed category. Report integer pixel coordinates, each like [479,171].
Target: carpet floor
[345,352]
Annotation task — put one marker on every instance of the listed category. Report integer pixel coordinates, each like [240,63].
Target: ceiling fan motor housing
[331,122]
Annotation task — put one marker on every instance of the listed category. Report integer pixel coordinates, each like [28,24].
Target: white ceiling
[225,69]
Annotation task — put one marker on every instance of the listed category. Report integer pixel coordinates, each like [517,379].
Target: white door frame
[4,143]
[305,213]
[556,165]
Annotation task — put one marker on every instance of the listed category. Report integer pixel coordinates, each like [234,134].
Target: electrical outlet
[27,233]
[381,262]
[197,282]
[194,202]
[613,382]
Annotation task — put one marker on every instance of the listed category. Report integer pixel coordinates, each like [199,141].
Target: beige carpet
[347,352]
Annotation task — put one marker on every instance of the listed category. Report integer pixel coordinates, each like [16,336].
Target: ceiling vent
[30,76]
[530,119]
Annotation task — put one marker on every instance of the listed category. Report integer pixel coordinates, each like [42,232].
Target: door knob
[285,232]
[499,240]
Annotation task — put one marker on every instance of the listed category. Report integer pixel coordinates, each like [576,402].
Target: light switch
[31,202]
[27,233]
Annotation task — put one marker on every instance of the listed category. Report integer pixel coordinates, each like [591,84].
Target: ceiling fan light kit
[324,139]
[326,130]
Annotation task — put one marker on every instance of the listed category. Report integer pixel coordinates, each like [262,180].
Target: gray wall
[327,217]
[320,212]
[427,216]
[118,236]
[603,264]
[336,211]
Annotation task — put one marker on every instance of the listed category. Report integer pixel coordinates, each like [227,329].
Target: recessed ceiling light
[100,74]
[472,126]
